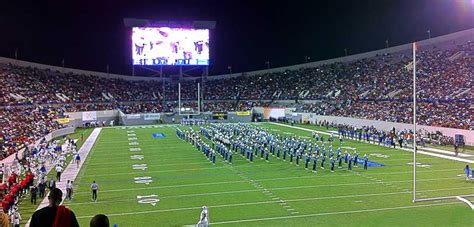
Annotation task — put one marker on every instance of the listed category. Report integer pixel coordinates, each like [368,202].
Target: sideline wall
[384,125]
[76,118]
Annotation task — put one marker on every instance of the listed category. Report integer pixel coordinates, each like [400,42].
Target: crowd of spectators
[376,88]
[22,126]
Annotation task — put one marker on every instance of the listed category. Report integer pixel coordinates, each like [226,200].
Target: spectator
[4,219]
[100,220]
[54,215]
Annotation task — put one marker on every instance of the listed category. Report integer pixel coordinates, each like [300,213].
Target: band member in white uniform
[204,219]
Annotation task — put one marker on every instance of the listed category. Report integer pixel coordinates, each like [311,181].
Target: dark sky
[90,34]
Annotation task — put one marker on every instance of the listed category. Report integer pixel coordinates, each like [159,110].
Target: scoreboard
[170,46]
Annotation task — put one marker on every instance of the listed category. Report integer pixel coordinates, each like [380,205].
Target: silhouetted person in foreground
[54,215]
[100,220]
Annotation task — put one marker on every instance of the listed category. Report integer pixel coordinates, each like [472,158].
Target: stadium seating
[377,88]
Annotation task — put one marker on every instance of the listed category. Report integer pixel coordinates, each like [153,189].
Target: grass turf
[261,193]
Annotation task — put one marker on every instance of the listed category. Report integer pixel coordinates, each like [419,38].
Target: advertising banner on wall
[132,116]
[151,116]
[63,120]
[89,116]
[219,115]
[243,113]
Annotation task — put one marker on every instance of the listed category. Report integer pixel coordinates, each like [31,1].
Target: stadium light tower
[429,33]
[345,51]
[267,63]
[230,69]
[386,43]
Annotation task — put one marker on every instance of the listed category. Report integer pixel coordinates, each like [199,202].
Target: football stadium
[190,130]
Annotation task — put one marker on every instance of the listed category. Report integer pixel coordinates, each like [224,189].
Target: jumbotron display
[170,46]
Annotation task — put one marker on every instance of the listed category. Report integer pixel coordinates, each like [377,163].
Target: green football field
[261,193]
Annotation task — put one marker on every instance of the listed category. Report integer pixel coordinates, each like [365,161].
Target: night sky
[90,34]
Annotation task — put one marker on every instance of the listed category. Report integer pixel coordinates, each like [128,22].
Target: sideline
[466,201]
[71,171]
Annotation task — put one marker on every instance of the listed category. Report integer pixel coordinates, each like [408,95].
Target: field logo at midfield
[137,157]
[158,135]
[378,155]
[420,165]
[132,138]
[139,166]
[133,143]
[142,180]
[150,199]
[135,149]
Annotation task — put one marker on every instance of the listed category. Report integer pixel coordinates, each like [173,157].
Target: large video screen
[170,46]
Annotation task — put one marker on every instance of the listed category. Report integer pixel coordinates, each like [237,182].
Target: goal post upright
[199,98]
[186,112]
[414,122]
[414,144]
[179,98]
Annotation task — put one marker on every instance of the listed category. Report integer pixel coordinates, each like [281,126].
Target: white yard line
[262,219]
[350,175]
[281,188]
[71,171]
[404,149]
[157,165]
[166,186]
[284,178]
[156,171]
[133,161]
[291,200]
[469,203]
[331,213]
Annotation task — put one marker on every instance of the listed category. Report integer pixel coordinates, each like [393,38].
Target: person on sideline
[94,188]
[4,219]
[467,169]
[78,160]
